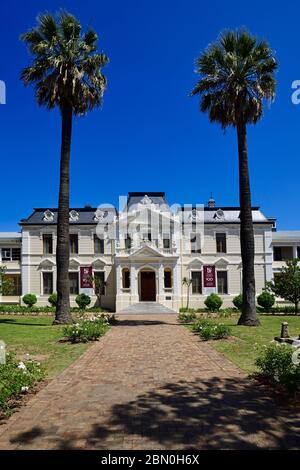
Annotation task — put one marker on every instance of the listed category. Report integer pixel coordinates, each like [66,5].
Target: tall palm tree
[66,71]
[236,77]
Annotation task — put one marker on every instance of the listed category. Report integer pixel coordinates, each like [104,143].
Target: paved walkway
[151,384]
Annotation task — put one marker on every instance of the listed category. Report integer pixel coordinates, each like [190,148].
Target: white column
[134,284]
[161,281]
[268,256]
[25,266]
[295,251]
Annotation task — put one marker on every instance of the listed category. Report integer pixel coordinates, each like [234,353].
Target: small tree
[29,299]
[83,301]
[98,286]
[266,300]
[238,301]
[286,284]
[187,282]
[213,302]
[52,299]
[6,285]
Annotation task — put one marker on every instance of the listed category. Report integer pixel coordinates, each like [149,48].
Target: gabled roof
[86,216]
[223,215]
[136,198]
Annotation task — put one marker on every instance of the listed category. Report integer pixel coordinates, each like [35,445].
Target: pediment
[146,252]
[196,262]
[221,262]
[46,264]
[99,263]
[74,263]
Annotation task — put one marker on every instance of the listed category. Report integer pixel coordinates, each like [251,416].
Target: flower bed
[85,330]
[17,378]
[208,329]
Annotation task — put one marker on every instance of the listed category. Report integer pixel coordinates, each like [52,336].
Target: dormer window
[219,214]
[73,216]
[48,216]
[100,215]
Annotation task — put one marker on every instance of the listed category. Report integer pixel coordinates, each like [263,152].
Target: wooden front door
[148,289]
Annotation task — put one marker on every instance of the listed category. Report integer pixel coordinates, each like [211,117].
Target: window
[195,243]
[126,278]
[74,283]
[196,282]
[73,244]
[100,282]
[222,282]
[221,242]
[13,286]
[47,244]
[147,236]
[168,278]
[47,283]
[127,242]
[11,254]
[166,242]
[298,252]
[283,253]
[98,245]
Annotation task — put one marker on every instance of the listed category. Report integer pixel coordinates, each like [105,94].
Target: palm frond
[236,76]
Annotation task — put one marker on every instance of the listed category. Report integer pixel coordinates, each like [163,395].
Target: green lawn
[36,336]
[242,350]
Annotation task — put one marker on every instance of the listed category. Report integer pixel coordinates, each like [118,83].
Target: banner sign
[209,274]
[86,273]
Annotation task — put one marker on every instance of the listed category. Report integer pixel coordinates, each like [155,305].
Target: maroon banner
[209,274]
[86,273]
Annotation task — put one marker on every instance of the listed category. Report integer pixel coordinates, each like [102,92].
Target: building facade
[144,252]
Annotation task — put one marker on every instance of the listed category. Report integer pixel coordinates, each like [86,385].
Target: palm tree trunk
[63,314]
[248,316]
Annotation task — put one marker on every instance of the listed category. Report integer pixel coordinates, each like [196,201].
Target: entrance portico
[147,275]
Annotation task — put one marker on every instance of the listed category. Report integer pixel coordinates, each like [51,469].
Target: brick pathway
[151,384]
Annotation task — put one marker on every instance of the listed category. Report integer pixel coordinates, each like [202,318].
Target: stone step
[146,308]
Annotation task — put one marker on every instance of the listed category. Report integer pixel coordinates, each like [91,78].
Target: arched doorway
[147,286]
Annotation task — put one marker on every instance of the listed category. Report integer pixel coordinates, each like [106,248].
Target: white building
[143,252]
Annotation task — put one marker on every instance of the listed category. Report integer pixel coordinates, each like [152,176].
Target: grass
[243,348]
[36,336]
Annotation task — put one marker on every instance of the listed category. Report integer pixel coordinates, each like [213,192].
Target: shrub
[83,301]
[208,329]
[29,300]
[186,310]
[238,301]
[266,300]
[213,302]
[275,363]
[86,330]
[187,317]
[16,378]
[52,299]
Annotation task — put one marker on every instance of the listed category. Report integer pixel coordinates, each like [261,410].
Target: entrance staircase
[150,308]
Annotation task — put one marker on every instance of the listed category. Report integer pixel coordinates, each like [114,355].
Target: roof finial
[211,202]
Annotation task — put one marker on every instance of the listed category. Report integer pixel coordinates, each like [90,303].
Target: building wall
[34,262]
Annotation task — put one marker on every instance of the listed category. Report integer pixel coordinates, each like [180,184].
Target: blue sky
[150,135]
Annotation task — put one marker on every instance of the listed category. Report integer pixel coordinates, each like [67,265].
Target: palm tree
[187,282]
[236,77]
[66,73]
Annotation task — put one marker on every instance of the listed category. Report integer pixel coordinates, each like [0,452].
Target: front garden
[251,348]
[37,350]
